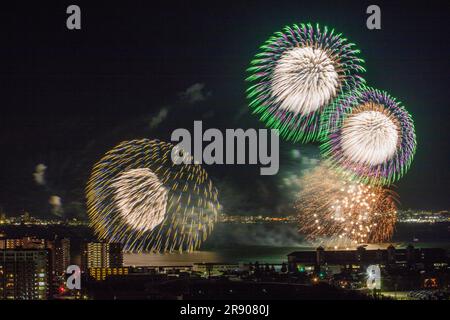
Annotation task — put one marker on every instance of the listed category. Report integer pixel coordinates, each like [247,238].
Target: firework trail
[371,136]
[298,73]
[338,212]
[137,196]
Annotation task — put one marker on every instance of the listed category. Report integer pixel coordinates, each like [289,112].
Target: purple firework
[370,136]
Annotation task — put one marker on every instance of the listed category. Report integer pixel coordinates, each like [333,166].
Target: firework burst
[298,73]
[339,212]
[137,196]
[371,136]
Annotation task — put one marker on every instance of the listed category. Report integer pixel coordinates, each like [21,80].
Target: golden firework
[340,212]
[138,196]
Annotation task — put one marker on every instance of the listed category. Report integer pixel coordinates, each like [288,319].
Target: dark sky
[69,96]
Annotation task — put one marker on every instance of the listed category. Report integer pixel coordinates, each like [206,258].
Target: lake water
[272,242]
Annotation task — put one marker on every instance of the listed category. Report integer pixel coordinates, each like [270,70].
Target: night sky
[69,96]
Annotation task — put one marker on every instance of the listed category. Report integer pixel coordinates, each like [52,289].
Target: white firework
[140,198]
[369,137]
[304,80]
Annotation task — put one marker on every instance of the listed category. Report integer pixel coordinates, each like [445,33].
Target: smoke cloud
[56,204]
[273,235]
[39,174]
[195,93]
[159,118]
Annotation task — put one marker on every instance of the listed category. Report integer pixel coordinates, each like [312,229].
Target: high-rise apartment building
[61,256]
[25,243]
[102,255]
[24,274]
